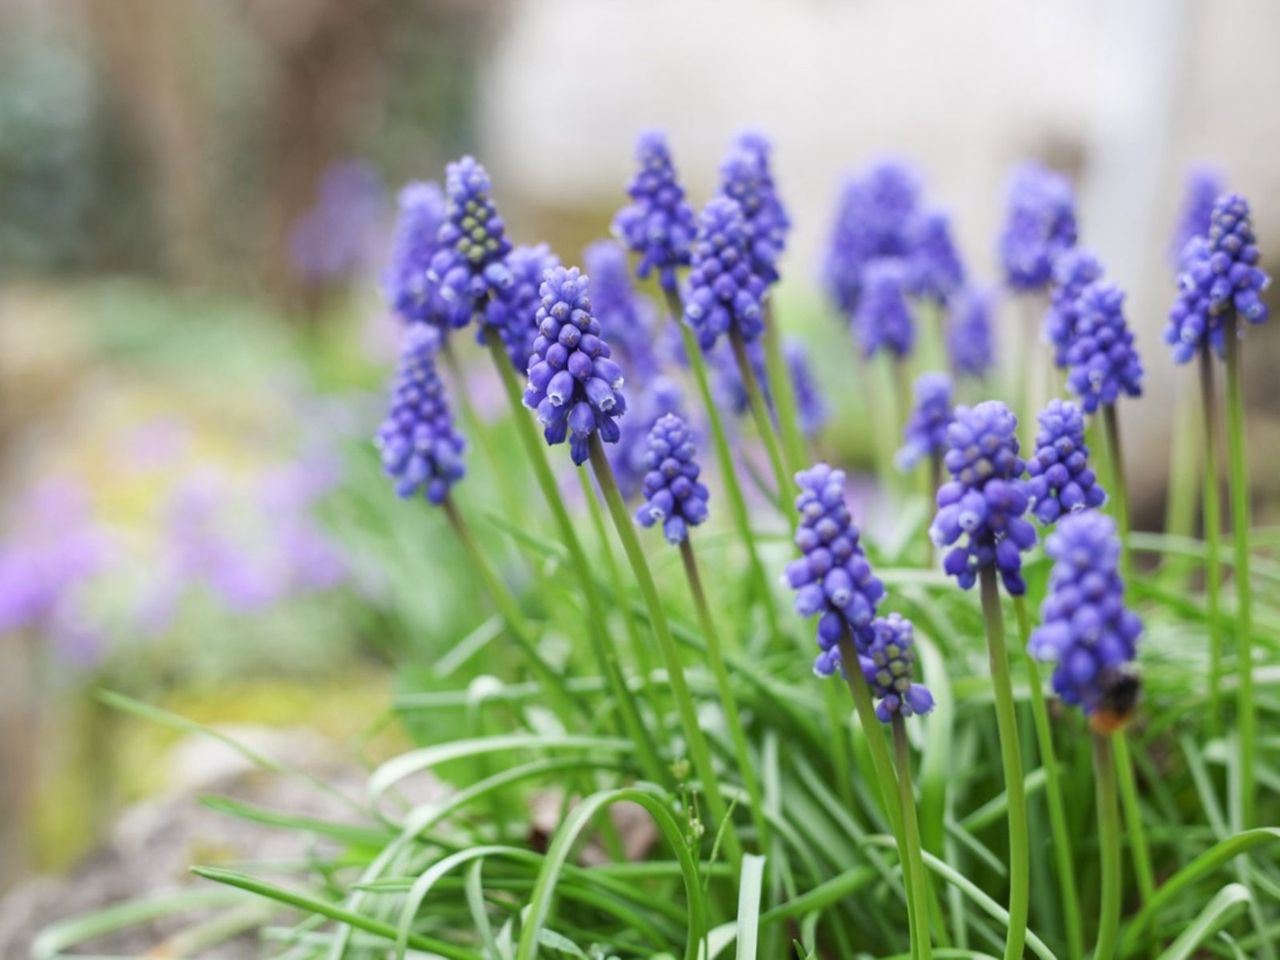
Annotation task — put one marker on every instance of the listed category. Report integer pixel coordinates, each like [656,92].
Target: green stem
[715,654]
[1109,845]
[1011,758]
[784,392]
[724,459]
[1213,538]
[606,656]
[1183,485]
[912,859]
[1062,852]
[1133,817]
[699,752]
[782,473]
[1120,487]
[1246,717]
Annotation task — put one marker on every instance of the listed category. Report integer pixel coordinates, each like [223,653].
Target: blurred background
[196,199]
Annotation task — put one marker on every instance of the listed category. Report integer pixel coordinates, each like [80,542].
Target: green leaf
[749,906]
[1230,900]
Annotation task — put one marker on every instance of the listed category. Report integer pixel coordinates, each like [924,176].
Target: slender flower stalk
[1109,844]
[760,414]
[1119,485]
[913,859]
[784,391]
[1211,511]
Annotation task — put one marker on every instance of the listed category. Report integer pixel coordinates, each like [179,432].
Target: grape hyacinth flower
[1087,631]
[970,343]
[832,576]
[985,499]
[1102,361]
[339,236]
[888,661]
[408,292]
[573,385]
[1061,481]
[883,319]
[511,310]
[810,407]
[873,221]
[937,272]
[471,262]
[1040,224]
[674,497]
[658,223]
[1072,272]
[419,445]
[745,177]
[658,395]
[626,317]
[926,431]
[1204,185]
[724,292]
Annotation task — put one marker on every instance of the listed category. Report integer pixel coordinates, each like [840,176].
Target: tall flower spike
[1040,224]
[873,220]
[626,317]
[746,178]
[970,343]
[1060,478]
[1072,272]
[936,269]
[674,497]
[573,385]
[512,311]
[419,445]
[658,223]
[832,576]
[1103,363]
[657,396]
[1087,631]
[471,262]
[1203,187]
[926,430]
[985,499]
[724,292]
[888,661]
[883,319]
[408,292]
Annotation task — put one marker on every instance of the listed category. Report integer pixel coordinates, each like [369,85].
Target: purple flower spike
[1103,363]
[936,269]
[657,396]
[1203,187]
[873,220]
[832,576]
[810,407]
[745,177]
[1061,480]
[673,496]
[724,292]
[985,499]
[573,385]
[408,292]
[1072,272]
[512,311]
[471,262]
[926,431]
[626,317]
[970,343]
[888,661]
[1040,224]
[419,445]
[658,223]
[883,319]
[1087,630]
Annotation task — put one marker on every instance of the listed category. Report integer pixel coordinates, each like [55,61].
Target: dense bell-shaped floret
[656,396]
[658,223]
[420,448]
[1203,187]
[408,291]
[980,510]
[832,577]
[811,408]
[1060,478]
[512,311]
[883,320]
[724,293]
[746,178]
[673,496]
[573,385]
[1086,630]
[1074,270]
[925,434]
[937,271]
[471,262]
[888,659]
[627,318]
[970,340]
[1040,224]
[1102,363]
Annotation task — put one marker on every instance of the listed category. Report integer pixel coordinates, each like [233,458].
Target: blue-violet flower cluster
[888,660]
[1203,187]
[925,434]
[408,292]
[937,271]
[511,310]
[626,317]
[883,319]
[970,342]
[1073,271]
[673,495]
[745,177]
[472,260]
[724,292]
[1102,361]
[1040,224]
[658,223]
[1060,478]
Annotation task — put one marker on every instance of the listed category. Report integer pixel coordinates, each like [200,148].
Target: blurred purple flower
[338,237]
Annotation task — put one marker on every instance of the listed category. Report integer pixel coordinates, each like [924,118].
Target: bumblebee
[1121,691]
